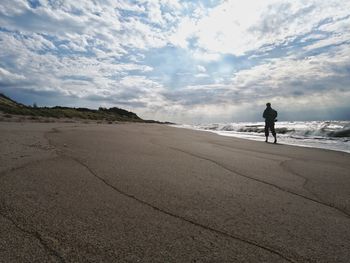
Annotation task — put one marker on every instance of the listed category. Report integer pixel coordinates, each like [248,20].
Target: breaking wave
[334,135]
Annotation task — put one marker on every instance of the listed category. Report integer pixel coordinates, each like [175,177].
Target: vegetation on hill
[9,106]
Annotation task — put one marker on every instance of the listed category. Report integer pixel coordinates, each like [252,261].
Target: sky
[181,61]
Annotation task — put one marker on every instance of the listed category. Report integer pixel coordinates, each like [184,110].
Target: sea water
[332,135]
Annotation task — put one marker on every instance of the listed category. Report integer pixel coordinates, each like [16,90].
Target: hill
[9,106]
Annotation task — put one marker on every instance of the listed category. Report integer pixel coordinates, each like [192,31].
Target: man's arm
[275,115]
[264,114]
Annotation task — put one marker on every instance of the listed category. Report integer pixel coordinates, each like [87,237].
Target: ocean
[332,135]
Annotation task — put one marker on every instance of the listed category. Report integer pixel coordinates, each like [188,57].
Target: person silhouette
[270,118]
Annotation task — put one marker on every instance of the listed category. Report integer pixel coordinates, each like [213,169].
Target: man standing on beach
[270,118]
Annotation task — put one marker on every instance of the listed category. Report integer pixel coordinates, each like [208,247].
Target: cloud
[12,8]
[311,82]
[178,60]
[8,78]
[81,22]
[200,68]
[91,74]
[237,27]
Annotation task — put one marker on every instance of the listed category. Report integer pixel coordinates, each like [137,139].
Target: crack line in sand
[13,169]
[261,181]
[20,167]
[284,166]
[36,235]
[306,180]
[253,243]
[280,163]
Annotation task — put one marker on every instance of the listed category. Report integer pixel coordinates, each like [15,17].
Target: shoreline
[253,137]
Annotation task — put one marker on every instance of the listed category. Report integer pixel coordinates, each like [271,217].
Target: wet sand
[73,192]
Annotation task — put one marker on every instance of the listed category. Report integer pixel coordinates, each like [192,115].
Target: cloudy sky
[182,61]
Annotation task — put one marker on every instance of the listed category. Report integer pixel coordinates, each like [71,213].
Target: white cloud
[281,73]
[72,75]
[236,27]
[173,5]
[124,5]
[77,21]
[186,29]
[13,7]
[36,42]
[9,77]
[200,68]
[331,41]
[313,37]
[154,12]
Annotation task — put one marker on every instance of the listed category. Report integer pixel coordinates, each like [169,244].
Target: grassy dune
[9,106]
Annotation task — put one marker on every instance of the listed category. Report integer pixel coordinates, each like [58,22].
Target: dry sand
[152,193]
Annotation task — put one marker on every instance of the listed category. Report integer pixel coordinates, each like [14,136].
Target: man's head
[268,104]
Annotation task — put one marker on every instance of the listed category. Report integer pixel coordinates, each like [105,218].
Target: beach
[133,192]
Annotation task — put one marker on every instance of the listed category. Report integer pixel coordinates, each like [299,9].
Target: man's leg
[272,127]
[266,131]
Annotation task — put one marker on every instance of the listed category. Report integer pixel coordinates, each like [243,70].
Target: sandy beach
[72,192]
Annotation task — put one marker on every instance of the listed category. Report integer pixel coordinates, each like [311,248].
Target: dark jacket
[269,114]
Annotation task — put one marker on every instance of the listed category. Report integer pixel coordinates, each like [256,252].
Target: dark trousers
[270,125]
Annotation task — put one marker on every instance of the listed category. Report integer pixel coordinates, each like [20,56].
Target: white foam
[332,135]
